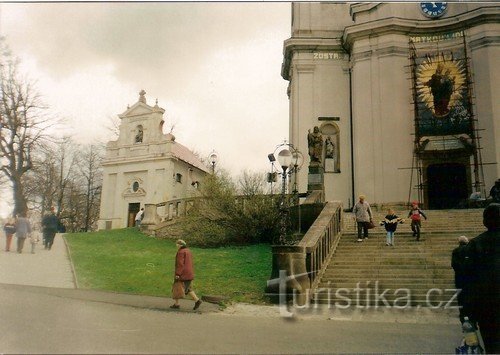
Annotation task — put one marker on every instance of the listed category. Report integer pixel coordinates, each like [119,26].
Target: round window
[135,186]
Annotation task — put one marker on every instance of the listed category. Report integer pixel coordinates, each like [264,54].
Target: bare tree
[91,172]
[251,183]
[22,128]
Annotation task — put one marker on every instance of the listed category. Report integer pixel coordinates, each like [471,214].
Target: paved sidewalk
[44,268]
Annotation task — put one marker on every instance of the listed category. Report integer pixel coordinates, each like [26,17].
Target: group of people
[364,219]
[476,264]
[21,227]
[477,274]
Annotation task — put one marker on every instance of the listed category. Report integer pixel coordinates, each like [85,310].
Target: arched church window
[331,133]
[139,133]
[135,186]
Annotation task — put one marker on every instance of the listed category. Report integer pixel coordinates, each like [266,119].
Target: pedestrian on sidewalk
[9,229]
[23,230]
[482,293]
[184,272]
[390,223]
[416,215]
[363,217]
[459,265]
[50,225]
[34,239]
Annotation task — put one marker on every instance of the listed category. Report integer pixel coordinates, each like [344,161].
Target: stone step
[416,266]
[334,276]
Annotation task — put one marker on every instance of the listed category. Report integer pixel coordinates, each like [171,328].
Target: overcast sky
[214,67]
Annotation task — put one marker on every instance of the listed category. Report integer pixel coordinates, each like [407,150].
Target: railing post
[151,217]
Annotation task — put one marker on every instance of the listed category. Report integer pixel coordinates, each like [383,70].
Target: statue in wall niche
[329,148]
[315,145]
[139,135]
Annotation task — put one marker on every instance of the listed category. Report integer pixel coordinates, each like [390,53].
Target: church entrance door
[446,185]
[133,208]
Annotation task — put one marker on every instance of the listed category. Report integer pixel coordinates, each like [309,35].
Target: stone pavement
[48,268]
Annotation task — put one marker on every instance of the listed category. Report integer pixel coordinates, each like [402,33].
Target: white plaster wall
[383,119]
[485,63]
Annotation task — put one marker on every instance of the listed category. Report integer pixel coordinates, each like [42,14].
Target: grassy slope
[126,260]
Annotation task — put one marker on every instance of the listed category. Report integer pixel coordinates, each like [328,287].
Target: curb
[73,271]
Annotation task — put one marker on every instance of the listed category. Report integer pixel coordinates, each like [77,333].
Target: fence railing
[175,208]
[321,240]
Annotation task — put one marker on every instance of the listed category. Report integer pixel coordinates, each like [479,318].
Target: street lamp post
[213,157]
[285,160]
[290,160]
[289,259]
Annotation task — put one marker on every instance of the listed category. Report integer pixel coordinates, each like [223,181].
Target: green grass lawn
[125,260]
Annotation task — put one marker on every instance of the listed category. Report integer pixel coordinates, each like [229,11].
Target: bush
[222,218]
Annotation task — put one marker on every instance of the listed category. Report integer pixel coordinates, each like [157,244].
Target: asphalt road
[45,322]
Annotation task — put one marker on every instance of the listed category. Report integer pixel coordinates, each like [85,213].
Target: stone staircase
[411,273]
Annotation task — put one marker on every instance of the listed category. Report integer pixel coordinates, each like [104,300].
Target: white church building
[407,95]
[145,166]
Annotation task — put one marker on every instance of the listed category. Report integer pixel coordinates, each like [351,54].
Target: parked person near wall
[50,225]
[459,265]
[390,223]
[23,230]
[416,215]
[363,216]
[138,217]
[495,192]
[482,293]
[184,272]
[9,229]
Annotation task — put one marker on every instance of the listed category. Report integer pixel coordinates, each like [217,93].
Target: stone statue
[315,144]
[139,135]
[142,96]
[329,148]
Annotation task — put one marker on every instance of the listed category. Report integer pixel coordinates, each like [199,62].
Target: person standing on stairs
[363,216]
[482,292]
[416,215]
[391,223]
[459,265]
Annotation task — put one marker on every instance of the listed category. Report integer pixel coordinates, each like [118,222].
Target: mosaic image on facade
[442,91]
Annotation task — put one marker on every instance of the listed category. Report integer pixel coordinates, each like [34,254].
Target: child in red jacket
[416,215]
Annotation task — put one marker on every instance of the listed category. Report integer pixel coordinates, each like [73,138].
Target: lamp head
[285,158]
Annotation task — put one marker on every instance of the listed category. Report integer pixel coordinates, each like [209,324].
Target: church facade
[404,95]
[145,166]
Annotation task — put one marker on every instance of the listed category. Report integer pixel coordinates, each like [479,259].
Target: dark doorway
[133,208]
[446,185]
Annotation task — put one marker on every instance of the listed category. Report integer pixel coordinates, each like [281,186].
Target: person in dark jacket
[184,272]
[50,225]
[459,265]
[483,291]
[390,223]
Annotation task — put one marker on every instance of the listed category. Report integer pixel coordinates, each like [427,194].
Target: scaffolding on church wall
[445,128]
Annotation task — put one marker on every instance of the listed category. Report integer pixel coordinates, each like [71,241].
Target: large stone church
[404,95]
[145,166]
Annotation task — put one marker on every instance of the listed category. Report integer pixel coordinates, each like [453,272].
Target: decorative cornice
[305,68]
[362,7]
[484,42]
[307,44]
[398,25]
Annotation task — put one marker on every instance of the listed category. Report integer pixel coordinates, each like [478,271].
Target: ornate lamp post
[290,160]
[289,270]
[212,158]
